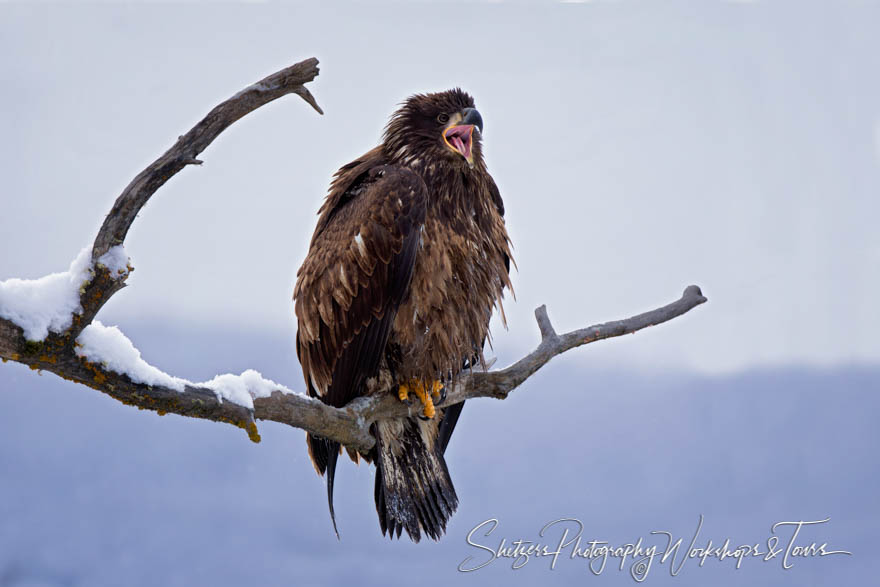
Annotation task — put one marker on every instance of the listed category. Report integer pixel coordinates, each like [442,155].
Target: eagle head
[428,128]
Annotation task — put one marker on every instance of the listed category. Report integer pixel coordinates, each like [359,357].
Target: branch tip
[304,93]
[544,325]
[694,291]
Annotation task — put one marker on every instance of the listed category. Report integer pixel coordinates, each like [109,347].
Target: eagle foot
[425,395]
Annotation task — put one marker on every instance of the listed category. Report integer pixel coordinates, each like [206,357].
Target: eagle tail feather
[413,489]
[324,454]
[331,475]
[447,425]
[319,451]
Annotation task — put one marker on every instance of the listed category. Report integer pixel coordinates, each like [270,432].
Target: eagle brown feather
[408,260]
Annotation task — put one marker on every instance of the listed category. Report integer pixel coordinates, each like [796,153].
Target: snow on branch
[49,323]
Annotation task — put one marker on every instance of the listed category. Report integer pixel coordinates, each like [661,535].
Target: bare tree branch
[349,425]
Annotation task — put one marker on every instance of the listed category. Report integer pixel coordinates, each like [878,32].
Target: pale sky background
[639,149]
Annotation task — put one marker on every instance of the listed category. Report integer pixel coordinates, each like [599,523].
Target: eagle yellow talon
[403,392]
[427,399]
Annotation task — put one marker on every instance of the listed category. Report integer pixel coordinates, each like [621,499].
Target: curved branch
[59,352]
[184,152]
[187,148]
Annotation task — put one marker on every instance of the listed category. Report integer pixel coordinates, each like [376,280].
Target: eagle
[408,261]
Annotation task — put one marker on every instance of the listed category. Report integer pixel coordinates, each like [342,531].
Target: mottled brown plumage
[408,260]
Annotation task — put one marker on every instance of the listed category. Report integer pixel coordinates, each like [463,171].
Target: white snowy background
[639,148]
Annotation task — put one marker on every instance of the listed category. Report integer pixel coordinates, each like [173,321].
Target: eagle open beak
[459,137]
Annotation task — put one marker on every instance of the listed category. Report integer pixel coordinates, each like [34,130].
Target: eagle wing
[353,280]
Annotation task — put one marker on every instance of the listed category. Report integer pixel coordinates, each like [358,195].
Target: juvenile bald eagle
[408,260]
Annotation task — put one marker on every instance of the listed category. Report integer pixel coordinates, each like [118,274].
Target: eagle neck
[451,188]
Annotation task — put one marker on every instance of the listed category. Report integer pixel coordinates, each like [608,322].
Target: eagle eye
[442,118]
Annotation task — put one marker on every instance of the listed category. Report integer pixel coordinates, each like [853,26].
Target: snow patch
[243,389]
[259,87]
[110,348]
[115,261]
[47,304]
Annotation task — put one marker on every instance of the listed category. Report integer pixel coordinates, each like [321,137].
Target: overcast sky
[639,149]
